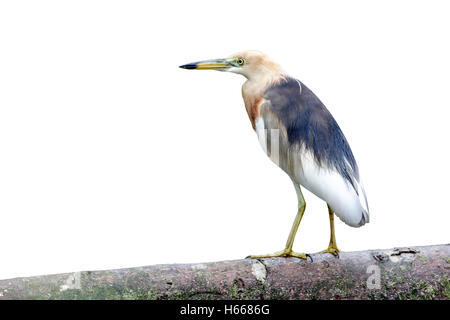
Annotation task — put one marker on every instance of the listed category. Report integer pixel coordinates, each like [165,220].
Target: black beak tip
[188,66]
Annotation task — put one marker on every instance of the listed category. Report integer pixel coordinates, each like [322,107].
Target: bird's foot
[284,253]
[333,250]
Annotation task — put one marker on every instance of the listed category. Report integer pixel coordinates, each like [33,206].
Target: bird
[300,135]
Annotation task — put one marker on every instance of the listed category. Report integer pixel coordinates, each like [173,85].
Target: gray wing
[309,124]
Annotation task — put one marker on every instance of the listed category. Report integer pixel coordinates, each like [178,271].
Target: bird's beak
[216,64]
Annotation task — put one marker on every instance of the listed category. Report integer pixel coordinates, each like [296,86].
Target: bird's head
[250,64]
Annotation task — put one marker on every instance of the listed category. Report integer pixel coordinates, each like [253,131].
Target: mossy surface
[103,293]
[404,274]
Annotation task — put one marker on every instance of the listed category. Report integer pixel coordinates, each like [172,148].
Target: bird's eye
[240,62]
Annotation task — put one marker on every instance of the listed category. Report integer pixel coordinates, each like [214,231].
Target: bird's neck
[253,93]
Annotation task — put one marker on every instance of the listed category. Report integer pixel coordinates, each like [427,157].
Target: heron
[300,135]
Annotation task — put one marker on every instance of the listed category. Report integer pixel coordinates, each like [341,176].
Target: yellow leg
[332,247]
[287,252]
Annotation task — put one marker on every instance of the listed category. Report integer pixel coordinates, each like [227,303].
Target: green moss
[139,295]
[445,283]
[238,292]
[422,259]
[234,292]
[395,285]
[343,288]
[257,292]
[181,295]
[276,294]
[102,293]
[95,293]
[317,289]
[422,291]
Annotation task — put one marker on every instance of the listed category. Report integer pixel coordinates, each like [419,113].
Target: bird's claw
[285,253]
[333,250]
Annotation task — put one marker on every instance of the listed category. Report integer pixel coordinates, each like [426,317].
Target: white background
[111,156]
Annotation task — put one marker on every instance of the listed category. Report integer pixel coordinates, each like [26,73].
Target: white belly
[327,184]
[331,187]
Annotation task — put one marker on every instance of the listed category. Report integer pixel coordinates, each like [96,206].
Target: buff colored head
[250,64]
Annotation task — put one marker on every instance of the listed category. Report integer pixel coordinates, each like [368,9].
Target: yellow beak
[216,64]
